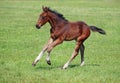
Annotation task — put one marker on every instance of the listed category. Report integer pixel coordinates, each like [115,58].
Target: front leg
[55,43]
[42,52]
[50,47]
[48,59]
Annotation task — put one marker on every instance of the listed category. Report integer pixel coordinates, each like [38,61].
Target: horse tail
[96,29]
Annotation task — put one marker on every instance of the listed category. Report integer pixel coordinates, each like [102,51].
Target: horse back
[76,29]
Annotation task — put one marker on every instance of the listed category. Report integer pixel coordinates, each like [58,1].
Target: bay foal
[63,30]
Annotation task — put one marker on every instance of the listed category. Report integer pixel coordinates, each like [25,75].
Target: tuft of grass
[20,43]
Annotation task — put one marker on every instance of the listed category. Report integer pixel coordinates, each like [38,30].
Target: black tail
[94,28]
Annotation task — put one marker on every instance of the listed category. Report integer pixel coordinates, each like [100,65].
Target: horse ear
[45,9]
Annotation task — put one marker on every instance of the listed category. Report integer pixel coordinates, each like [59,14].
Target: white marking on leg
[82,63]
[39,56]
[42,52]
[66,65]
[48,57]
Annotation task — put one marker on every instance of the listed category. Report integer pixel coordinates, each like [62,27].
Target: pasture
[21,42]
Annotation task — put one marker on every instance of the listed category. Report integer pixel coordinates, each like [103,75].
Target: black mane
[58,14]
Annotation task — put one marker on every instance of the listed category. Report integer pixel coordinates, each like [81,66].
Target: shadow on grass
[60,67]
[92,65]
[48,67]
[77,65]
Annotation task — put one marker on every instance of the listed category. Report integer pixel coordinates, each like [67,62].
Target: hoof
[33,64]
[48,62]
[82,64]
[63,68]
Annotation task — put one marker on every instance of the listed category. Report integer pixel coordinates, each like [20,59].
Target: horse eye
[43,17]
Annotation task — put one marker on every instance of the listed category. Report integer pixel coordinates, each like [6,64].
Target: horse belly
[72,36]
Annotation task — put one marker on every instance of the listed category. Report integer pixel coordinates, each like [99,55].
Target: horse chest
[56,33]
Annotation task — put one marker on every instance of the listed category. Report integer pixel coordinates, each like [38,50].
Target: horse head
[43,18]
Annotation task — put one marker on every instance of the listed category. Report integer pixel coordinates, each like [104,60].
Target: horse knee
[49,49]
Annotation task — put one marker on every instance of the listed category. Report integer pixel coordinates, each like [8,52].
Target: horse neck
[55,21]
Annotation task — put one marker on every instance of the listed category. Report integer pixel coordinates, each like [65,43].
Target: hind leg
[73,55]
[82,48]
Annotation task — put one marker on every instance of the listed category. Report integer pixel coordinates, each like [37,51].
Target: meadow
[21,42]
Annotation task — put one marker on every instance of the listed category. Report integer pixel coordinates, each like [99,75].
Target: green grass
[21,42]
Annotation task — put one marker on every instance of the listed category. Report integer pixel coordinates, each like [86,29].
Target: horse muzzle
[38,26]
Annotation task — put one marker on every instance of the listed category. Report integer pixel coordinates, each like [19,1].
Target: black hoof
[63,68]
[48,62]
[33,64]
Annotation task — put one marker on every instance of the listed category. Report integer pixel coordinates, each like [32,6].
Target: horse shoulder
[57,32]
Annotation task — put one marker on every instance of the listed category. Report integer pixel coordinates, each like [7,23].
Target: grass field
[21,42]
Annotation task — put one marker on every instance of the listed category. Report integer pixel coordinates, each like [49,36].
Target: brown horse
[63,30]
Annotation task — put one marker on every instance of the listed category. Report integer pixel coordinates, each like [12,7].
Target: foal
[63,30]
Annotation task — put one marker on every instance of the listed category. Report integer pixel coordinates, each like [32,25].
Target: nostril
[37,26]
